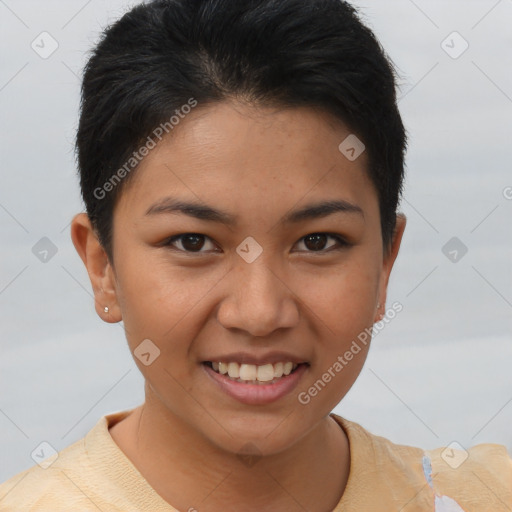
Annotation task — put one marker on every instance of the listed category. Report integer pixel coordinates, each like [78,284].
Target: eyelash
[342,243]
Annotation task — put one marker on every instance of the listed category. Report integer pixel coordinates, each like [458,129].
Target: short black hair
[165,54]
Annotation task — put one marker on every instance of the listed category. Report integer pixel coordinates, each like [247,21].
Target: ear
[98,267]
[388,262]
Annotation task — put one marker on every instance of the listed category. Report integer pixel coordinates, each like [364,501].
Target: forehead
[251,157]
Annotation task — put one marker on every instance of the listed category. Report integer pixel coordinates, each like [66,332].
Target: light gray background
[441,371]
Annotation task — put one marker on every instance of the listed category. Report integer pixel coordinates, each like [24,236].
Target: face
[247,238]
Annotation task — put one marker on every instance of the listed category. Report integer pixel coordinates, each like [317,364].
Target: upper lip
[258,360]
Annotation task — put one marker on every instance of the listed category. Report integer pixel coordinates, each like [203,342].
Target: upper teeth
[251,372]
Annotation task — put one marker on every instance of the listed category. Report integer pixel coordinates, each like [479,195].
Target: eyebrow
[204,212]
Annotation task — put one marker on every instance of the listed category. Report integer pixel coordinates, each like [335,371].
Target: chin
[265,434]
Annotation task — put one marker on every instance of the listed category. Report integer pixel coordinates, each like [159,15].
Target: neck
[311,475]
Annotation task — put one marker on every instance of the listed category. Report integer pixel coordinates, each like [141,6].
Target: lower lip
[257,394]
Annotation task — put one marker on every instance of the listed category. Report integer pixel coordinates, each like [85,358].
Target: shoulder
[72,479]
[476,479]
[90,475]
[480,475]
[45,486]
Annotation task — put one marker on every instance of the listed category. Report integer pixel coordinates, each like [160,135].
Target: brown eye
[316,242]
[190,242]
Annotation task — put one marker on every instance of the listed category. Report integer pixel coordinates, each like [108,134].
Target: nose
[258,300]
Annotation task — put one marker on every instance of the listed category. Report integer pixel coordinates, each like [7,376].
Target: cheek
[157,305]
[343,300]
[158,300]
[342,306]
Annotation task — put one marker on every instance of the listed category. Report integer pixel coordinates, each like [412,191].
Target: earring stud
[381,315]
[106,309]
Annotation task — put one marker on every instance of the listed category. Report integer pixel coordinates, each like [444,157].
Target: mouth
[255,384]
[254,374]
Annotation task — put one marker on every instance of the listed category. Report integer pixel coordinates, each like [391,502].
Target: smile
[242,381]
[253,374]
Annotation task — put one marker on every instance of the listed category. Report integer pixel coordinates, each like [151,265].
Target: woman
[241,165]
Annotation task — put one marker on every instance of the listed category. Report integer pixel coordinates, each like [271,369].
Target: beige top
[94,474]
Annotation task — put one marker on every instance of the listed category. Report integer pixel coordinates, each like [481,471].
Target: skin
[258,164]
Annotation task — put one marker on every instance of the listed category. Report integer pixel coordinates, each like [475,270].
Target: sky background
[439,372]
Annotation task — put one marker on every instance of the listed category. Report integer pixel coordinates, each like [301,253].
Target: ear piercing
[106,309]
[381,315]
